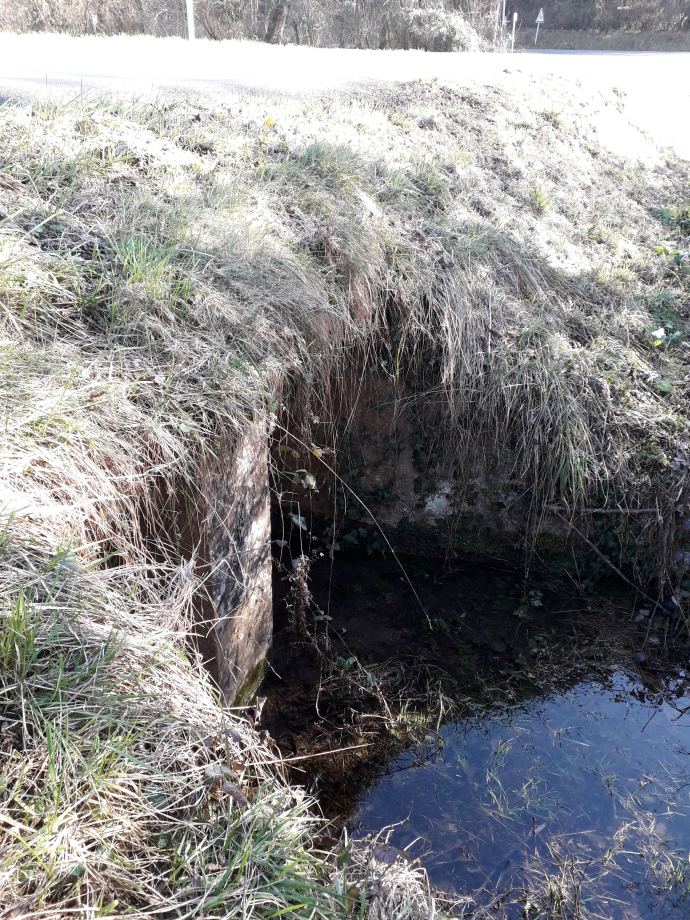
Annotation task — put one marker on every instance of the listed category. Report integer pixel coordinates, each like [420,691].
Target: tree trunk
[276,23]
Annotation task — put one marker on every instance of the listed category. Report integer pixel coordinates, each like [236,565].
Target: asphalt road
[656,86]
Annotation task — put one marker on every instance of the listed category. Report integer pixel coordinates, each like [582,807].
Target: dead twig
[326,753]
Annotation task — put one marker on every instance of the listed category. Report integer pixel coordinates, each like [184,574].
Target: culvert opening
[507,735]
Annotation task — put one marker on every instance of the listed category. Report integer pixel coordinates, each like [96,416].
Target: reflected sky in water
[600,773]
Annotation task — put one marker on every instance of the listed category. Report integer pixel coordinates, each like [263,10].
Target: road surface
[656,86]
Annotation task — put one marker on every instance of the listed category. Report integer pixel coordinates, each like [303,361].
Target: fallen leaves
[236,793]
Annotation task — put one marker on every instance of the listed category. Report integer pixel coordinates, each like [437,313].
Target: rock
[389,855]
[640,657]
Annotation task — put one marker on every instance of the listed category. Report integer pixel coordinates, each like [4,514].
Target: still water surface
[597,778]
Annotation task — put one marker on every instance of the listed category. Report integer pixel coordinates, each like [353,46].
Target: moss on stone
[251,683]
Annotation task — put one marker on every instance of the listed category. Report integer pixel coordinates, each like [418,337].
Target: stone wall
[235,621]
[389,448]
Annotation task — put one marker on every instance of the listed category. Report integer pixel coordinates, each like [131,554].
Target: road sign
[540,19]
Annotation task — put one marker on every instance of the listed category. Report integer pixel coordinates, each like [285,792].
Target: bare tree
[431,24]
[277,19]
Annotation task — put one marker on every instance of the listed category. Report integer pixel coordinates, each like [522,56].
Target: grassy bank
[586,40]
[169,272]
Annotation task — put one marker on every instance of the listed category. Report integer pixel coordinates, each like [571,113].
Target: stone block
[236,619]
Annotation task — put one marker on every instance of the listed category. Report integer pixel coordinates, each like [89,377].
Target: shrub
[439,30]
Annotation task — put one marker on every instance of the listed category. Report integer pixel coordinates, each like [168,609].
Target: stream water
[590,788]
[567,777]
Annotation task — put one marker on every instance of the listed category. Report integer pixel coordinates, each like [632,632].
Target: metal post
[190,19]
[503,18]
[537,35]
[512,43]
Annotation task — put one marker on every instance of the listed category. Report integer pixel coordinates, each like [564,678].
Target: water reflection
[589,789]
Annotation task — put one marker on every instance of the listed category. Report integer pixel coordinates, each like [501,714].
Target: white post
[512,43]
[503,18]
[190,19]
[537,35]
